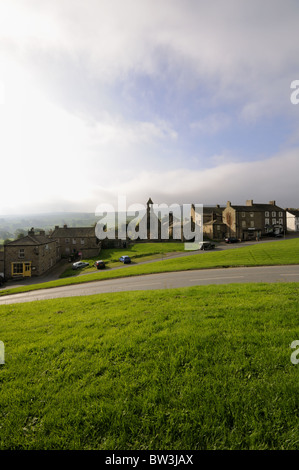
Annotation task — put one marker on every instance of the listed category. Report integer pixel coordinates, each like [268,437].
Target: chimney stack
[249,202]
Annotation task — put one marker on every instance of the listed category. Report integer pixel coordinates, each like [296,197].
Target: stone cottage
[32,255]
[76,241]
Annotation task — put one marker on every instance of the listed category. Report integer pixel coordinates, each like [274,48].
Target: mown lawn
[193,368]
[137,252]
[265,254]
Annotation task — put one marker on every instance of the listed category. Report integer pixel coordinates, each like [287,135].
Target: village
[38,252]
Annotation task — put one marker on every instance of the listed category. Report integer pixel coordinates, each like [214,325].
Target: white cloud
[235,53]
[274,178]
[237,47]
[212,124]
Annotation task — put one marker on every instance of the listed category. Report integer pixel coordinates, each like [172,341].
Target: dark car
[125,259]
[80,264]
[207,246]
[231,240]
[100,264]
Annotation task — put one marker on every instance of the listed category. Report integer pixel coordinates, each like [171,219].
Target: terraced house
[76,241]
[32,255]
[253,220]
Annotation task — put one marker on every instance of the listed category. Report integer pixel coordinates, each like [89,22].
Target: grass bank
[194,368]
[137,252]
[265,254]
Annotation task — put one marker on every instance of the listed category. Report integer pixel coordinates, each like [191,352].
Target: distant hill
[10,224]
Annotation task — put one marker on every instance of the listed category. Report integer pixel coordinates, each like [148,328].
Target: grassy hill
[194,368]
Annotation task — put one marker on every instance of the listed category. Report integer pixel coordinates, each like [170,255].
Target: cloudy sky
[181,100]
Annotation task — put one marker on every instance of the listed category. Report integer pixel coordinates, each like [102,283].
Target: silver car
[80,264]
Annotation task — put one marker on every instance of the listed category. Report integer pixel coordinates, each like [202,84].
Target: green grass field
[194,368]
[264,254]
[137,252]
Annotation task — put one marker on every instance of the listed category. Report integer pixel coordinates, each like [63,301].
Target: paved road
[63,264]
[163,281]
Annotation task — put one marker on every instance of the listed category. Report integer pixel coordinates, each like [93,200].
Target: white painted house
[292,220]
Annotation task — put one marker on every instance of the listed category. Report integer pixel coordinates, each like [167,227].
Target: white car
[80,264]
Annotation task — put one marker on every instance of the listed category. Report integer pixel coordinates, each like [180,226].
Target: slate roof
[209,209]
[73,232]
[30,240]
[257,208]
[214,222]
[294,212]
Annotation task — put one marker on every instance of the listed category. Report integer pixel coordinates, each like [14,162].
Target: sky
[183,101]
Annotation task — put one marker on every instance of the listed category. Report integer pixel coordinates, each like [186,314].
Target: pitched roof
[73,232]
[30,240]
[217,209]
[294,212]
[214,222]
[258,207]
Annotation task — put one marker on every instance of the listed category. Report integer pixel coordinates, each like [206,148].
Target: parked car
[80,264]
[207,246]
[231,240]
[125,259]
[99,264]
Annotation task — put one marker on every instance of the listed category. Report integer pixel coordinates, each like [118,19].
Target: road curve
[268,274]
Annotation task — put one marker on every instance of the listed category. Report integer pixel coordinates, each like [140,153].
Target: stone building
[292,220]
[213,225]
[214,229]
[32,255]
[253,220]
[76,241]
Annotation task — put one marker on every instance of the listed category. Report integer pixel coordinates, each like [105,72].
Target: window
[267,214]
[83,241]
[273,214]
[74,241]
[243,223]
[273,221]
[267,221]
[252,223]
[17,268]
[251,214]
[23,269]
[21,253]
[280,221]
[280,214]
[243,214]
[67,240]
